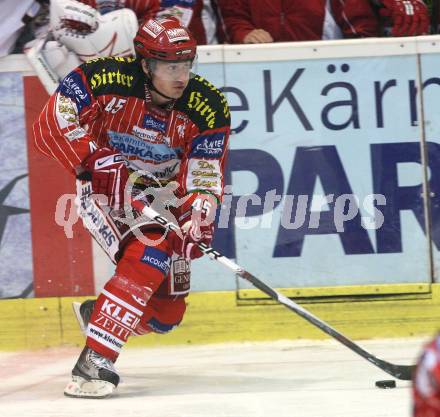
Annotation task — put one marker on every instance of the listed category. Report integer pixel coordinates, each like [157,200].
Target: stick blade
[402,372]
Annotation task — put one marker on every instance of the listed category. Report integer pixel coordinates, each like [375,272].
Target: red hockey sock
[115,316]
[123,301]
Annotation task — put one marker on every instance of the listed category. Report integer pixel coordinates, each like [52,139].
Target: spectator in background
[426,385]
[264,21]
[213,23]
[199,16]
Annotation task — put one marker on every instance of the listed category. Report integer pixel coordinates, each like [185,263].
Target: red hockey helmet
[165,39]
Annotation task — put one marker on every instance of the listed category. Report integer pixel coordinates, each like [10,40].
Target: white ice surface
[277,379]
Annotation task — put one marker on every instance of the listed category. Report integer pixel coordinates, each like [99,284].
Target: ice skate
[93,376]
[83,311]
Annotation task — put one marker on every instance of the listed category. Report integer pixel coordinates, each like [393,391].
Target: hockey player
[426,386]
[114,116]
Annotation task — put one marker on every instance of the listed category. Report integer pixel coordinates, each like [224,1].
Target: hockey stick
[403,372]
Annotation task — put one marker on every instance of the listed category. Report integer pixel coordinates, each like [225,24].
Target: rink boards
[214,317]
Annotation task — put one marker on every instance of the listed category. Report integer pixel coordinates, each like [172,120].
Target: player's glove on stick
[197,225]
[408,17]
[109,175]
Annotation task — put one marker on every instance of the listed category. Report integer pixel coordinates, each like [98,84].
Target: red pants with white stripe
[130,302]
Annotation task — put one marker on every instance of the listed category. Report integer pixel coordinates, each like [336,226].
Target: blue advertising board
[16,270]
[326,172]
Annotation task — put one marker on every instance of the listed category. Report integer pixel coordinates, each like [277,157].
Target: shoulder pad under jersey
[204,104]
[114,75]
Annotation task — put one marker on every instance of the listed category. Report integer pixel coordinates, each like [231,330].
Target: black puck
[387,383]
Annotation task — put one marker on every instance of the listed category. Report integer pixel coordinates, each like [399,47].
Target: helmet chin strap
[151,86]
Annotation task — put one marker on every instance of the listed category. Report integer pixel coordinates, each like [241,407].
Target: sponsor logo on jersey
[105,338]
[151,122]
[167,172]
[181,277]
[204,175]
[208,174]
[199,103]
[213,88]
[105,77]
[121,312]
[153,28]
[75,134]
[200,183]
[130,145]
[204,169]
[72,86]
[66,109]
[176,35]
[163,171]
[208,146]
[151,136]
[157,259]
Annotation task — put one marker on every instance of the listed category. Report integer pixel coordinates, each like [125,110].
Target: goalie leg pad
[51,61]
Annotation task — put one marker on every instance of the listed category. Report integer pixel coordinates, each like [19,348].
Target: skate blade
[81,388]
[76,306]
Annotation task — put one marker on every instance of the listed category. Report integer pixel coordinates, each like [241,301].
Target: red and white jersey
[144,9]
[426,386]
[103,103]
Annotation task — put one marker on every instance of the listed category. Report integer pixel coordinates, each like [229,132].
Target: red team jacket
[299,20]
[106,101]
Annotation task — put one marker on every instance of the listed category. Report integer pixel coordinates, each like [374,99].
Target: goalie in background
[84,30]
[110,120]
